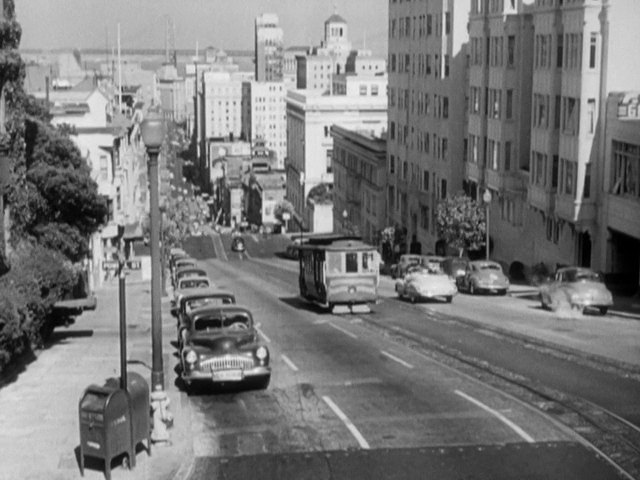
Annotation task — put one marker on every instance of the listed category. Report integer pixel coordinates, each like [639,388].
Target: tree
[461,223]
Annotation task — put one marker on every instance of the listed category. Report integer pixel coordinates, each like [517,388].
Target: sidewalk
[39,437]
[612,339]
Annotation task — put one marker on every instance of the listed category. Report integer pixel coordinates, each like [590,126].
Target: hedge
[38,278]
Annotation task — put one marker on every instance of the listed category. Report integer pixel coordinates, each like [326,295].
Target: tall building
[538,132]
[499,111]
[269,50]
[310,116]
[222,100]
[427,112]
[264,117]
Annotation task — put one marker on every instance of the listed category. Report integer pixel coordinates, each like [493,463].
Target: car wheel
[603,310]
[448,298]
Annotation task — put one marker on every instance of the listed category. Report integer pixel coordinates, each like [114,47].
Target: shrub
[13,318]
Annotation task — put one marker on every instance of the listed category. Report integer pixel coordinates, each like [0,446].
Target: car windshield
[490,266]
[194,303]
[583,276]
[194,283]
[237,320]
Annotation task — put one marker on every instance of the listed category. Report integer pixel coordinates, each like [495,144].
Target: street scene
[406,250]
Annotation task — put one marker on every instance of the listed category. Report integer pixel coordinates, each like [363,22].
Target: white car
[426,283]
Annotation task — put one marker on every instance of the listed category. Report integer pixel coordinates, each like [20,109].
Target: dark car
[455,267]
[221,346]
[193,299]
[237,244]
[185,272]
[484,276]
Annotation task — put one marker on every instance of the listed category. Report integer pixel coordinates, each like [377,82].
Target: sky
[227,24]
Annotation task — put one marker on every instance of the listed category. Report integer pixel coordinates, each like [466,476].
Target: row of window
[566,114]
[421,26]
[493,102]
[420,64]
[561,174]
[626,169]
[494,51]
[420,102]
[497,156]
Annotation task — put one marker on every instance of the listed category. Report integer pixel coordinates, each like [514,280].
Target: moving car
[578,287]
[221,346]
[484,276]
[237,244]
[408,259]
[428,282]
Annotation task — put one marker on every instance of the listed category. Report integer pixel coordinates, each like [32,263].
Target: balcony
[509,181]
[473,171]
[541,198]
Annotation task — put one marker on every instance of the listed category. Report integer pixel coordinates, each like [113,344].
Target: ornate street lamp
[486,198]
[153,131]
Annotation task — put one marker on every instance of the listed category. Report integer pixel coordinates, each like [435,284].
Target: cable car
[340,272]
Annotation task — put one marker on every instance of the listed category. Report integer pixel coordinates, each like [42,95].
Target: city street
[346,399]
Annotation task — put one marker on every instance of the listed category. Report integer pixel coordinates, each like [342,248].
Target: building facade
[269,49]
[222,105]
[310,116]
[264,117]
[359,182]
[427,112]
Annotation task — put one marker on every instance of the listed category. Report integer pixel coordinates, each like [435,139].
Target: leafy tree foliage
[321,194]
[461,223]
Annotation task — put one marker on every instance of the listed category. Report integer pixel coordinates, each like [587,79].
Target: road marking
[288,361]
[396,359]
[524,435]
[346,332]
[266,339]
[352,428]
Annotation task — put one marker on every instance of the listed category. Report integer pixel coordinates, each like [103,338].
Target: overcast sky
[228,24]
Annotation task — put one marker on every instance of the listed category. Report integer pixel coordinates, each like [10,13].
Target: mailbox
[113,421]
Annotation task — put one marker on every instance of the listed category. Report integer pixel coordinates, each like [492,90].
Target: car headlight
[261,353]
[191,357]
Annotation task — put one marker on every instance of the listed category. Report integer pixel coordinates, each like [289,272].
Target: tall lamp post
[486,198]
[152,130]
[304,202]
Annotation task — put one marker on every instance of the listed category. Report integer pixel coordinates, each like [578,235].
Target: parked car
[399,269]
[193,282]
[455,267]
[484,276]
[221,346]
[428,282]
[580,288]
[429,260]
[185,272]
[182,262]
[191,300]
[237,244]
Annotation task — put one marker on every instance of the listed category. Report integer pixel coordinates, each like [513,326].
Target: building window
[392,164]
[593,42]
[626,169]
[591,114]
[570,115]
[374,90]
[507,156]
[443,188]
[424,217]
[586,193]
[540,110]
[554,172]
[425,180]
[511,50]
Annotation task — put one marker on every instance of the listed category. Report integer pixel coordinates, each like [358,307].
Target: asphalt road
[347,402]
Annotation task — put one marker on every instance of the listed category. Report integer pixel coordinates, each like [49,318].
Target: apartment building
[269,49]
[427,112]
[222,102]
[619,231]
[499,96]
[264,117]
[359,181]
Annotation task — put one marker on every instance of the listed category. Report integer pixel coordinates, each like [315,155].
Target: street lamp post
[304,202]
[486,197]
[153,130]
[345,214]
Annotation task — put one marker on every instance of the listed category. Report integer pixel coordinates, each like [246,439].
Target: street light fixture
[153,130]
[486,198]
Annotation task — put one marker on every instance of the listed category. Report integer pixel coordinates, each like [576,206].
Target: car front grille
[227,362]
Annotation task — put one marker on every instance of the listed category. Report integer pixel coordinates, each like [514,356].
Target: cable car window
[352,262]
[334,262]
[368,262]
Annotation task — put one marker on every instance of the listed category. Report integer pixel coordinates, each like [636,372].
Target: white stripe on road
[346,332]
[524,435]
[352,428]
[288,361]
[396,359]
[266,339]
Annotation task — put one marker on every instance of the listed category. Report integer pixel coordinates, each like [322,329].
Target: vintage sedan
[192,299]
[221,346]
[186,272]
[407,260]
[578,287]
[426,283]
[455,267]
[484,276]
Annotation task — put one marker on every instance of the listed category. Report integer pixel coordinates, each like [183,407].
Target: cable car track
[617,440]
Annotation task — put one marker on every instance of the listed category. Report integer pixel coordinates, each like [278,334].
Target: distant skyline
[82,24]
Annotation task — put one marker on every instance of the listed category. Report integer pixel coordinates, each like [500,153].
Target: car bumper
[436,293]
[206,375]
